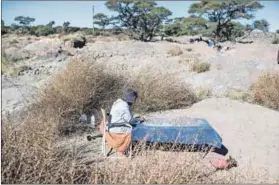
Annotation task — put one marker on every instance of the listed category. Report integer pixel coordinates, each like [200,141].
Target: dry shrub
[239,94]
[265,91]
[3,64]
[189,49]
[188,58]
[161,92]
[175,51]
[199,67]
[81,88]
[203,92]
[171,167]
[27,147]
[28,153]
[275,40]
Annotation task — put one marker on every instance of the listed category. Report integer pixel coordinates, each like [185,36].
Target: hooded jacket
[121,114]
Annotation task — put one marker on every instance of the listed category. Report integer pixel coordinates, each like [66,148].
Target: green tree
[277,31]
[174,27]
[24,22]
[66,26]
[193,25]
[101,20]
[44,30]
[51,24]
[58,29]
[3,29]
[139,19]
[262,25]
[14,27]
[222,13]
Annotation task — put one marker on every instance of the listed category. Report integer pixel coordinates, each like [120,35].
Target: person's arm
[135,121]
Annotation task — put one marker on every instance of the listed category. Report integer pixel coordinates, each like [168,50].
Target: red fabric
[120,142]
[220,163]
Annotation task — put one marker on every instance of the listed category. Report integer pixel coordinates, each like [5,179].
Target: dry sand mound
[250,132]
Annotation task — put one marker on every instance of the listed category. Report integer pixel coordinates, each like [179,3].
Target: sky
[79,13]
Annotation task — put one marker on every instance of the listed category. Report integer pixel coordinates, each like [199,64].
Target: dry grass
[188,58]
[239,94]
[175,51]
[265,91]
[203,92]
[3,64]
[275,40]
[13,39]
[28,152]
[199,67]
[161,92]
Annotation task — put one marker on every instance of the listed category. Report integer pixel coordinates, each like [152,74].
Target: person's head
[130,95]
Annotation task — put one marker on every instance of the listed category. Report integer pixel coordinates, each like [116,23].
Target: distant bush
[265,91]
[239,94]
[44,31]
[203,93]
[175,51]
[13,40]
[199,67]
[3,64]
[275,41]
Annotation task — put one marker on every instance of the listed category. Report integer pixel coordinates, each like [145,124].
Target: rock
[92,121]
[78,41]
[37,71]
[15,54]
[83,118]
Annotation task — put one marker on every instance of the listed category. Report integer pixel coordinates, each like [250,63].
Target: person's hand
[142,118]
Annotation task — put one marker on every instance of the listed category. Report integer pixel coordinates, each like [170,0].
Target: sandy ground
[250,132]
[234,69]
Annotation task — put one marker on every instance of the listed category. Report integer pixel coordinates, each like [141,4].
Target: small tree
[101,20]
[3,29]
[277,31]
[173,26]
[262,25]
[24,21]
[58,29]
[66,26]
[14,27]
[44,30]
[222,13]
[139,19]
[51,24]
[193,25]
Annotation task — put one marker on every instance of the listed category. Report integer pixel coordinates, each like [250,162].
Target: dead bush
[175,51]
[199,67]
[275,40]
[161,92]
[27,147]
[239,94]
[265,91]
